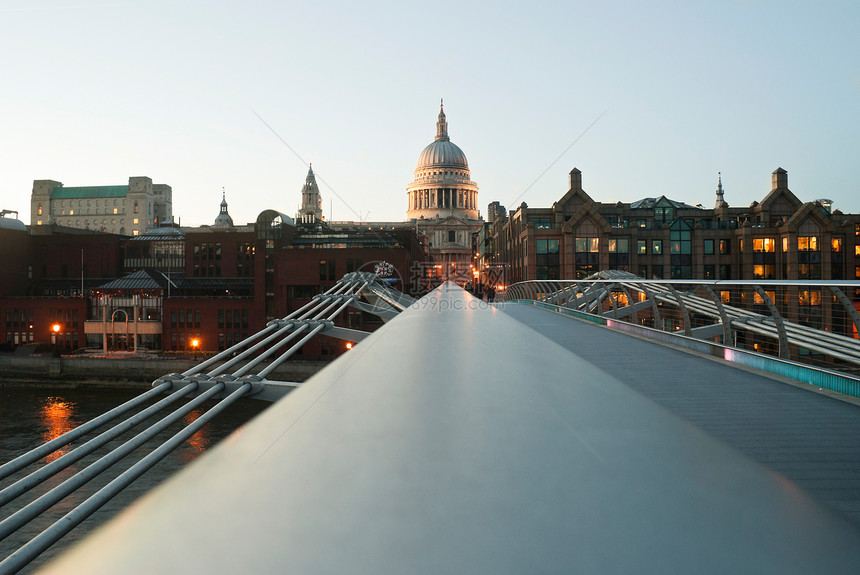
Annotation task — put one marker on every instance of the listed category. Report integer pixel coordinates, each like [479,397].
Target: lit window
[40,211]
[135,221]
[618,246]
[767,245]
[135,232]
[836,245]
[71,212]
[115,211]
[657,247]
[807,243]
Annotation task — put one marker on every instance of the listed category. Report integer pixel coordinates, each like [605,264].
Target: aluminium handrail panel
[449,443]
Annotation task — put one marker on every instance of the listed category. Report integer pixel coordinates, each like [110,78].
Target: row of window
[98,202]
[62,206]
[207,251]
[19,317]
[66,318]
[113,222]
[680,243]
[185,318]
[232,319]
[206,270]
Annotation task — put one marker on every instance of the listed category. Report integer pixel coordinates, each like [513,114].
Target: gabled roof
[570,197]
[589,212]
[809,210]
[450,220]
[138,280]
[775,195]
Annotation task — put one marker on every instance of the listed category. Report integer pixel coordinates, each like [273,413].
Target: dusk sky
[647,99]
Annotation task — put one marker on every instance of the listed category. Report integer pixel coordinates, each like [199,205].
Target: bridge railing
[809,321]
[240,371]
[459,440]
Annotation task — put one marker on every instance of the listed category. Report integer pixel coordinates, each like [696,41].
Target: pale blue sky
[94,91]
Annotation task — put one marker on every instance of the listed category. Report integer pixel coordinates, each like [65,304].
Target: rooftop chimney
[575,179]
[779,179]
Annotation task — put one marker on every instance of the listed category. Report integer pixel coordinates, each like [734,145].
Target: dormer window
[663,214]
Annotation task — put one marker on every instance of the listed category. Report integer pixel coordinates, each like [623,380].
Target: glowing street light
[195,343]
[349,345]
[56,328]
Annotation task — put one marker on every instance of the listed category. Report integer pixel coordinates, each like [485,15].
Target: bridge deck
[810,438]
[455,440]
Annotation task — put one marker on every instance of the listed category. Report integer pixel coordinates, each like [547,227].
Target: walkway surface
[812,439]
[461,438]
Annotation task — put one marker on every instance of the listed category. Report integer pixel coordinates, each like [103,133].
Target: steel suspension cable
[24,555]
[26,483]
[33,509]
[38,453]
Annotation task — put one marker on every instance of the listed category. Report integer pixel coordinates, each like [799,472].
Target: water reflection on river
[31,416]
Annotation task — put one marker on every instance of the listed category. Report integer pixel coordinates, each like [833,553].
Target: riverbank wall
[125,372]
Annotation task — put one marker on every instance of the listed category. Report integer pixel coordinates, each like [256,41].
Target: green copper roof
[61,193]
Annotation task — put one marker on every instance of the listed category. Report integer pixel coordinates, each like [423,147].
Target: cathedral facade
[443,206]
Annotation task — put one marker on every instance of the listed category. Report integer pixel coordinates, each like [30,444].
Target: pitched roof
[61,193]
[140,279]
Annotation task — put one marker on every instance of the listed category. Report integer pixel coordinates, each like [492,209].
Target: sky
[646,99]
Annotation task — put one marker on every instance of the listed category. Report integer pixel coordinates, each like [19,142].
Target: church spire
[311,210]
[441,124]
[223,220]
[721,202]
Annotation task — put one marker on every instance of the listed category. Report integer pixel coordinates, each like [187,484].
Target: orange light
[55,328]
[195,343]
[349,345]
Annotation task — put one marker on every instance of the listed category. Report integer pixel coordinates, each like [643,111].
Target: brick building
[169,287]
[780,237]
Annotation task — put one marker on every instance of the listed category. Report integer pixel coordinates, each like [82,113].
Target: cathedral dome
[442,154]
[442,184]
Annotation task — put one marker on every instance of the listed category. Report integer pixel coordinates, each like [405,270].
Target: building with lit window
[126,210]
[170,287]
[780,237]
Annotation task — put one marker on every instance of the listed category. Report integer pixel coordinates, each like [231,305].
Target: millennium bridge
[607,425]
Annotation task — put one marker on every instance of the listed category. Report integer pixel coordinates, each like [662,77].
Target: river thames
[32,416]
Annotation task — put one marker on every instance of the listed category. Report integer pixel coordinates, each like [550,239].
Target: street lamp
[55,330]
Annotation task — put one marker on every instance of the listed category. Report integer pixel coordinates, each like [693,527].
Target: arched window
[136,209]
[39,211]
